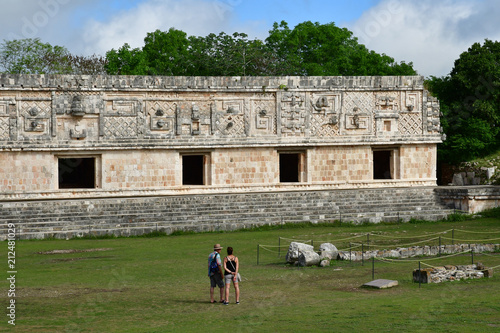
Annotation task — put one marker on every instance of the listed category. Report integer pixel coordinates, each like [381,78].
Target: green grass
[160,284]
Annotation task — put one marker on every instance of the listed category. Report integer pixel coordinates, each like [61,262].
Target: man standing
[215,273]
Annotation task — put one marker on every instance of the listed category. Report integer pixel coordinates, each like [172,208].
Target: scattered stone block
[381,284]
[324,263]
[308,258]
[295,249]
[328,251]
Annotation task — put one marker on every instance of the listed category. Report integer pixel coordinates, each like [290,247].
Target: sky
[429,33]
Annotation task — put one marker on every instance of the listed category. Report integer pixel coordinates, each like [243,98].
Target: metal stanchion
[362,255]
[419,275]
[373,268]
[279,247]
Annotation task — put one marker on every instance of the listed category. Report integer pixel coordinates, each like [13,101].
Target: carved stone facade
[124,135]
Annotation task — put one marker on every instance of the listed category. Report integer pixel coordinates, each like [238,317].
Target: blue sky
[429,33]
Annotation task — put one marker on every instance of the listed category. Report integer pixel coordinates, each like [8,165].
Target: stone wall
[470,199]
[137,129]
[124,153]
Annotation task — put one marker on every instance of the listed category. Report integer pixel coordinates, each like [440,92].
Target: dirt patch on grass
[74,251]
[79,258]
[63,292]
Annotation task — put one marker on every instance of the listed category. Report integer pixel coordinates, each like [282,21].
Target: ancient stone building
[97,153]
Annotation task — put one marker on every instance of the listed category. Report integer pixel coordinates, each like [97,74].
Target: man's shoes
[238,302]
[226,303]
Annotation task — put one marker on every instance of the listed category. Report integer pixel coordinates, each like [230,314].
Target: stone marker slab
[381,284]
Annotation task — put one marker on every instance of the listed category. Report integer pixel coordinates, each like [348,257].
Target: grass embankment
[161,285]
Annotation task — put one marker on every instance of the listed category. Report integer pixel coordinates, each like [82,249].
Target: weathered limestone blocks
[308,258]
[451,273]
[416,251]
[296,249]
[328,251]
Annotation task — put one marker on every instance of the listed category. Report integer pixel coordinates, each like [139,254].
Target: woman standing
[231,268]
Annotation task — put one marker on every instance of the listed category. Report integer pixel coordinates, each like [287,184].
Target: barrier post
[472,255]
[279,247]
[350,255]
[368,241]
[439,245]
[419,275]
[373,268]
[362,255]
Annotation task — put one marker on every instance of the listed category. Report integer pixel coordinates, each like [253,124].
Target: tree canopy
[470,103]
[308,49]
[31,56]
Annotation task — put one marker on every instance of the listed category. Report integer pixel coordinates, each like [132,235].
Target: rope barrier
[428,235]
[264,248]
[470,240]
[296,240]
[487,254]
[477,232]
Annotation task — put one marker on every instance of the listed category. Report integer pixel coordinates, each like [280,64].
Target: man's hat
[217,247]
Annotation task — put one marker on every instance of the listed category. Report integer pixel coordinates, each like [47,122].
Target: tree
[166,52]
[31,56]
[325,49]
[87,65]
[126,61]
[470,103]
[308,49]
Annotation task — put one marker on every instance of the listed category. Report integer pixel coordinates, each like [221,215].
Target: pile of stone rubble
[451,273]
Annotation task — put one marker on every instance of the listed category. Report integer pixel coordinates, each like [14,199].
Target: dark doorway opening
[289,168]
[193,169]
[76,172]
[382,164]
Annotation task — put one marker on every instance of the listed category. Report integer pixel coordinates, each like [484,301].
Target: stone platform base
[124,216]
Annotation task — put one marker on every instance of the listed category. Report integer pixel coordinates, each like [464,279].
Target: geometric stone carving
[412,102]
[233,125]
[162,116]
[432,111]
[410,123]
[122,107]
[358,107]
[120,127]
[230,120]
[325,126]
[293,114]
[265,116]
[35,124]
[388,102]
[36,116]
[4,128]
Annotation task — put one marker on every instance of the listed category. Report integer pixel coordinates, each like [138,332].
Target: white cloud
[432,34]
[195,17]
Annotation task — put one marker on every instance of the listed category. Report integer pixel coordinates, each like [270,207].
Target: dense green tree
[325,49]
[470,103]
[31,56]
[126,61]
[308,49]
[166,52]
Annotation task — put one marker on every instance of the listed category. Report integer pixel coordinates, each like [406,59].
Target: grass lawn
[160,285]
